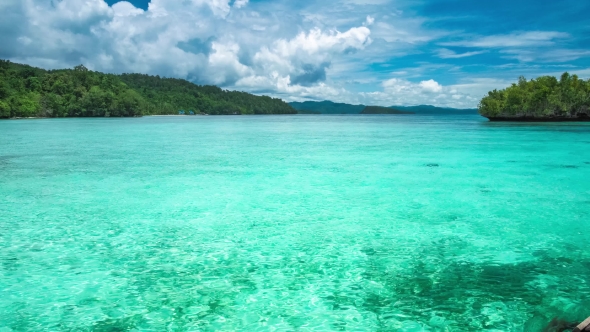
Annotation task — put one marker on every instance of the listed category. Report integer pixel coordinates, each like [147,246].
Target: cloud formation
[445,53]
[520,39]
[373,52]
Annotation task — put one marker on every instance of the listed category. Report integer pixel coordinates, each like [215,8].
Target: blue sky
[378,52]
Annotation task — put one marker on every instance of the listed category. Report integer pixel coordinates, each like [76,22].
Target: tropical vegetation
[26,91]
[566,98]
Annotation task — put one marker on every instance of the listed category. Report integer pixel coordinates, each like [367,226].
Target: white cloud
[445,53]
[202,40]
[406,33]
[396,91]
[124,8]
[317,41]
[401,86]
[224,64]
[240,3]
[552,55]
[517,39]
[431,86]
[320,51]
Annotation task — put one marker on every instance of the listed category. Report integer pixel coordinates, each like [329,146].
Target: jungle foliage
[26,91]
[544,97]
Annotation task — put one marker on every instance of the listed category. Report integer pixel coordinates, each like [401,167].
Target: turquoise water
[292,223]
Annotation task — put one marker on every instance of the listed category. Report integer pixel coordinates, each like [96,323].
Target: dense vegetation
[543,98]
[328,107]
[26,91]
[382,110]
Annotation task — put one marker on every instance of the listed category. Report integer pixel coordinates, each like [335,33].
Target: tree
[4,109]
[546,96]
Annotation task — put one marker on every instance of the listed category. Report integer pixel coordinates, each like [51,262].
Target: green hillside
[26,91]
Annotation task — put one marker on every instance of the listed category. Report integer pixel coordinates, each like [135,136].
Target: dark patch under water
[569,166]
[463,290]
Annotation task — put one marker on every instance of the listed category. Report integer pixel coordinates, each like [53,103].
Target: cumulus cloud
[320,51]
[317,41]
[396,91]
[294,65]
[430,86]
[399,86]
[206,41]
[124,8]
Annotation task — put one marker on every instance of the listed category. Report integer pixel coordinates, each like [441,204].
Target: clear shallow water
[325,223]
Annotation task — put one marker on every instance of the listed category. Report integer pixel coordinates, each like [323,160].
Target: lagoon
[293,223]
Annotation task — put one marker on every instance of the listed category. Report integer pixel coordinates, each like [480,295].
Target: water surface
[292,223]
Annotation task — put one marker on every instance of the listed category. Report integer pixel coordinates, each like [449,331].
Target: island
[27,91]
[543,99]
[383,110]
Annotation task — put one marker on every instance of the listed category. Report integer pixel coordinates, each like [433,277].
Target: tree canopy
[26,91]
[543,98]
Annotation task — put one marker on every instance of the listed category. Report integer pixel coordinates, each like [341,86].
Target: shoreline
[126,117]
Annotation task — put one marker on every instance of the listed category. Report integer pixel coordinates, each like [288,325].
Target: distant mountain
[308,112]
[328,107]
[383,110]
[428,109]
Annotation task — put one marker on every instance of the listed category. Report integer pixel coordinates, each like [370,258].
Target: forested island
[382,110]
[543,99]
[27,91]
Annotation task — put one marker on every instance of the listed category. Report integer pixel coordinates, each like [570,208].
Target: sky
[374,52]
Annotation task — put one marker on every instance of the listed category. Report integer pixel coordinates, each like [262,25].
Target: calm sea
[293,223]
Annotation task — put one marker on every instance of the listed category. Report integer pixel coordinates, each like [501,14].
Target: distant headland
[543,99]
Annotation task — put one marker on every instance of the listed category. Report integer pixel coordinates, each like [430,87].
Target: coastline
[140,116]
